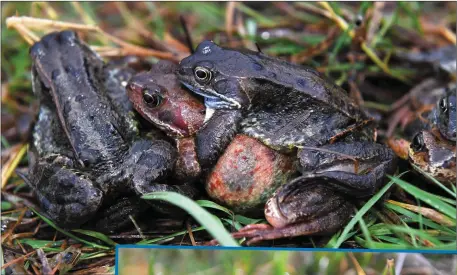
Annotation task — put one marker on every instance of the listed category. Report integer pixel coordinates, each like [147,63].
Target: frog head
[160,99]
[217,74]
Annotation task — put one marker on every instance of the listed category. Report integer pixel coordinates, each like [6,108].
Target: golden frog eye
[152,99]
[202,75]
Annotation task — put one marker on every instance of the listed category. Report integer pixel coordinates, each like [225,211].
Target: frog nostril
[86,162]
[36,50]
[55,74]
[67,37]
[257,66]
[88,159]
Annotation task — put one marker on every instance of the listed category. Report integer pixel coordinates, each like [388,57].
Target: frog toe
[323,225]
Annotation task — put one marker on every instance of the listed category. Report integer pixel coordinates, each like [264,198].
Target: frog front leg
[149,165]
[357,169]
[67,196]
[215,135]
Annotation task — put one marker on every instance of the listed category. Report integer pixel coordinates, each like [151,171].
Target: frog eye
[418,143]
[443,105]
[203,75]
[152,99]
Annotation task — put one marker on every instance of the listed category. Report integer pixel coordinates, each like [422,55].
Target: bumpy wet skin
[92,155]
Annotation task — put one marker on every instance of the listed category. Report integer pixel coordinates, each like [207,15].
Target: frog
[249,172]
[432,154]
[444,116]
[430,145]
[157,96]
[294,111]
[86,154]
[414,110]
[284,105]
[245,163]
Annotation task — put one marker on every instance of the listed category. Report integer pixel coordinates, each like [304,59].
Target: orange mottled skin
[248,173]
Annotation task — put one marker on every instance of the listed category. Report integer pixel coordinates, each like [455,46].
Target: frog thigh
[355,168]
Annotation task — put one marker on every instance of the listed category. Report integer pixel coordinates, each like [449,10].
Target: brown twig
[22,258]
[375,21]
[306,54]
[127,48]
[191,234]
[229,17]
[356,264]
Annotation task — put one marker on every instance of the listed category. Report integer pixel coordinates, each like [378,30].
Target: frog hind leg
[357,169]
[150,165]
[65,195]
[300,208]
[262,232]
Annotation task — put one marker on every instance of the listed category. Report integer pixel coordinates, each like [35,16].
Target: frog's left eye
[202,75]
[152,99]
[418,143]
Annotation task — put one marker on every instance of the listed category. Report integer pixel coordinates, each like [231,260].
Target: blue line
[285,249]
[274,249]
[116,260]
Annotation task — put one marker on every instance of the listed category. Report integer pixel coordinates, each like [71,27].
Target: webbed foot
[67,196]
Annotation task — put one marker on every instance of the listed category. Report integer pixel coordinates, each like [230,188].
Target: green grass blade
[213,205]
[426,197]
[415,232]
[97,235]
[169,236]
[53,225]
[212,225]
[360,214]
[416,218]
[246,220]
[427,175]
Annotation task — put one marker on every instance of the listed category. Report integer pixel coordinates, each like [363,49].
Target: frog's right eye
[152,99]
[443,105]
[418,143]
[202,75]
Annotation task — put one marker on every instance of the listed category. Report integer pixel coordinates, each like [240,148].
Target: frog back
[304,81]
[294,106]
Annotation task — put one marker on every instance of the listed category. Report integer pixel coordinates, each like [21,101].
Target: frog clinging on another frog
[86,153]
[285,107]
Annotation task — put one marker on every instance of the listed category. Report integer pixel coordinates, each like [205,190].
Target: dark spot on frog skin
[68,257]
[271,74]
[301,82]
[36,50]
[79,98]
[55,74]
[257,66]
[166,116]
[88,158]
[67,37]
